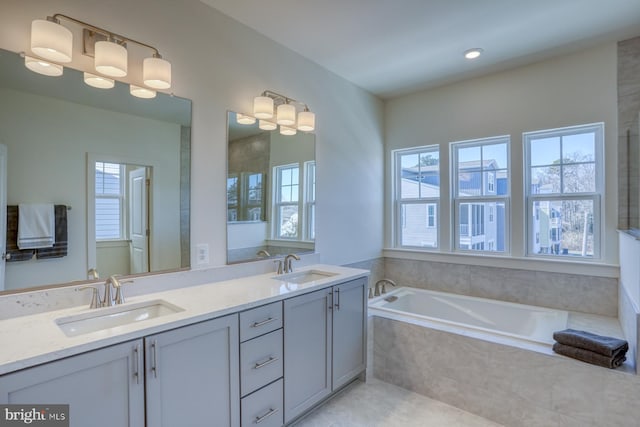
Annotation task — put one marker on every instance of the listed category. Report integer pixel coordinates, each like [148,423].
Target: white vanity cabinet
[183,377]
[192,375]
[103,388]
[324,343]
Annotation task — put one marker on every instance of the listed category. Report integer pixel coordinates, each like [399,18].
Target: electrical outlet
[202,253]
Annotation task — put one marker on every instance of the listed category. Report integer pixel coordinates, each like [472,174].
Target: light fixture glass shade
[156,73]
[51,41]
[266,125]
[245,120]
[285,130]
[142,92]
[43,67]
[306,121]
[286,115]
[110,59]
[98,81]
[263,107]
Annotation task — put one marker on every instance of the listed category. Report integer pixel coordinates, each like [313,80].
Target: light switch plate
[202,253]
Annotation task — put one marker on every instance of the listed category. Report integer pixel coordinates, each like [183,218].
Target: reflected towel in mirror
[36,226]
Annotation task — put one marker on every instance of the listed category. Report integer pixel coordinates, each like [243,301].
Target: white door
[139,220]
[3,211]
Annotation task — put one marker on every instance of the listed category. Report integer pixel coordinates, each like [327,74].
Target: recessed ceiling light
[473,53]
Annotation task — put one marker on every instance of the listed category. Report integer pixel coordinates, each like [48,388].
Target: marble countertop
[32,340]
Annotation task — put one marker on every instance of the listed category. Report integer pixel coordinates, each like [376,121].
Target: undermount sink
[304,276]
[105,318]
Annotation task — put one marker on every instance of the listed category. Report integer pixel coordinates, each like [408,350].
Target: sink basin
[304,276]
[105,318]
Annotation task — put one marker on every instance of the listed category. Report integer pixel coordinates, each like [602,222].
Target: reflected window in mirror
[109,201]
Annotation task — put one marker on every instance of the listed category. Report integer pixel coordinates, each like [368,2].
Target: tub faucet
[382,290]
[288,268]
[263,252]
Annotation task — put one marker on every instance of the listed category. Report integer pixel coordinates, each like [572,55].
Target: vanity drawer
[264,407]
[260,320]
[260,361]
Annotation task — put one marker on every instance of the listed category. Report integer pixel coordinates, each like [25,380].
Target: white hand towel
[36,226]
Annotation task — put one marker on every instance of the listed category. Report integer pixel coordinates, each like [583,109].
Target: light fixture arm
[282,99]
[120,38]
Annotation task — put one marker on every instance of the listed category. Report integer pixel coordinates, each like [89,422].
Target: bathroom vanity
[262,349]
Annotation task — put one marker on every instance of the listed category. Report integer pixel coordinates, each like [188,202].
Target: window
[245,197]
[109,201]
[564,170]
[286,202]
[481,184]
[417,197]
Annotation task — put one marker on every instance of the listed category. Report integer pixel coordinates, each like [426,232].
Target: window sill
[585,268]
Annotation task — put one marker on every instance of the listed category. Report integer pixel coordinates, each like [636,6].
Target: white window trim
[456,200]
[398,202]
[596,197]
[309,202]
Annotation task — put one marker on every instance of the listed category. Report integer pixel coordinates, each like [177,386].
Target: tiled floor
[379,404]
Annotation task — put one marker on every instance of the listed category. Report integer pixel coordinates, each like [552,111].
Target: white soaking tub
[450,312]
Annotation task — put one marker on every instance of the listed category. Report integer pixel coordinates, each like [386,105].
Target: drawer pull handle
[260,419]
[264,322]
[265,363]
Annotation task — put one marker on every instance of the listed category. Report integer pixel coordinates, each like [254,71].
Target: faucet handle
[119,298]
[280,265]
[95,296]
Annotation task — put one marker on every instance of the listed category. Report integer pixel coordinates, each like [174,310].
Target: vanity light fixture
[98,81]
[286,113]
[244,119]
[52,43]
[473,53]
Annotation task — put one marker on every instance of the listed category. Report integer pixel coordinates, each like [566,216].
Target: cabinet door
[193,375]
[349,330]
[307,351]
[103,388]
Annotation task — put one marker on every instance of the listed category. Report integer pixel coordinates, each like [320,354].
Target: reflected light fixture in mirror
[98,81]
[244,119]
[288,131]
[53,42]
[43,67]
[142,92]
[286,113]
[267,125]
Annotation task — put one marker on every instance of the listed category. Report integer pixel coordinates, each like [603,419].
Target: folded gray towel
[590,356]
[607,346]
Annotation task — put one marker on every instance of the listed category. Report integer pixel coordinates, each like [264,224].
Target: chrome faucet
[288,267]
[383,290]
[108,300]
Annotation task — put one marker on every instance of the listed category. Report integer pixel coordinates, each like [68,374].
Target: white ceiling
[394,47]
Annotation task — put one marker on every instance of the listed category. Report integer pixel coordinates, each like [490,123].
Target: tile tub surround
[587,294]
[508,385]
[36,339]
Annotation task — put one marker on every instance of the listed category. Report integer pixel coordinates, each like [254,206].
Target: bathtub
[466,315]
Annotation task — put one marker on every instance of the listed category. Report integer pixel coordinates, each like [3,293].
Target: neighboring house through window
[480,171]
[564,170]
[417,197]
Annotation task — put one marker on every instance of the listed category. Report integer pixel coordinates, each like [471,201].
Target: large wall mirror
[270,192]
[119,164]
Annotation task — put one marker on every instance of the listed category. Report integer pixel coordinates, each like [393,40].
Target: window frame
[278,203]
[400,202]
[596,197]
[457,200]
[309,197]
